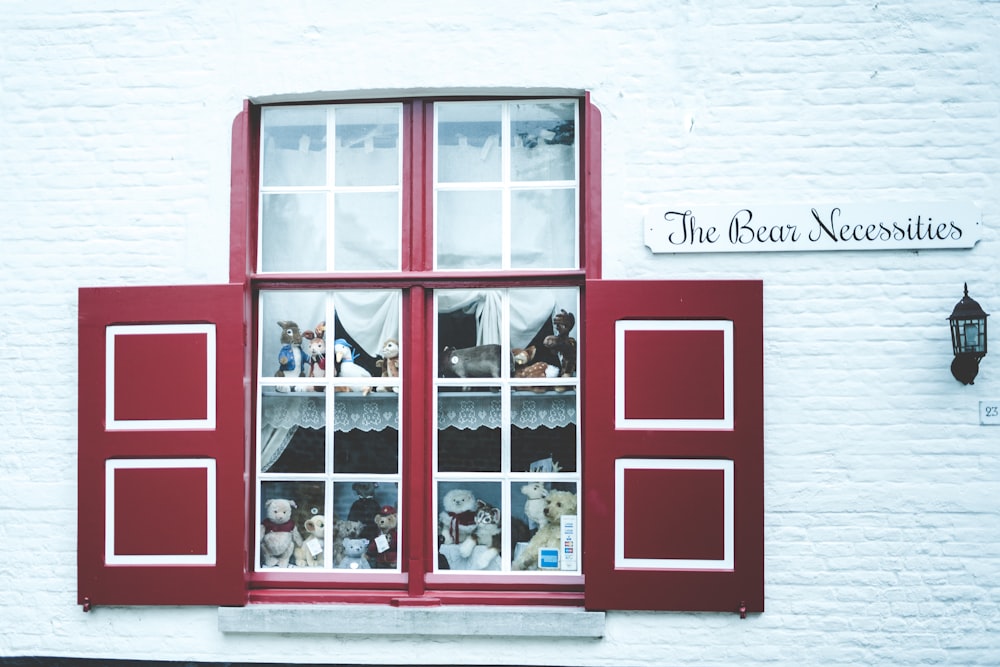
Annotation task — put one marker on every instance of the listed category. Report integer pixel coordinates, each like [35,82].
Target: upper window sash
[331,182]
[506,185]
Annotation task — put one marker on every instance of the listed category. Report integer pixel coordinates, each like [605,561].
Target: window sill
[450,620]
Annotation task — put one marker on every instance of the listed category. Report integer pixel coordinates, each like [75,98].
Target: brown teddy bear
[382,550]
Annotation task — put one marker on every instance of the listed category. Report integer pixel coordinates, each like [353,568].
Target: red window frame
[417,584]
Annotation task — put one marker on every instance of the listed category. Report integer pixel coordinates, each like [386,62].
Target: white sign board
[802,227]
[989,412]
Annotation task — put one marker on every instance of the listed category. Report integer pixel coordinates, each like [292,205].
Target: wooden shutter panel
[673,446]
[162,446]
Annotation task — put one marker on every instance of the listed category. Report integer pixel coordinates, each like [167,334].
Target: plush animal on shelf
[482,361]
[486,536]
[557,505]
[389,363]
[365,507]
[315,346]
[525,366]
[382,550]
[292,359]
[341,529]
[562,344]
[534,506]
[278,534]
[345,357]
[354,554]
[457,520]
[310,553]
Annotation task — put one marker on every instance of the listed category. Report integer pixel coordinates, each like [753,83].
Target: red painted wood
[689,510]
[610,587]
[161,511]
[242,194]
[224,582]
[151,366]
[686,369]
[591,249]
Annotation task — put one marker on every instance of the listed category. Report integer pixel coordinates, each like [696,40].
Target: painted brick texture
[882,518]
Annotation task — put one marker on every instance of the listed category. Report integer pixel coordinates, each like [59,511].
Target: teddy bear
[365,507]
[382,550]
[310,553]
[457,520]
[534,506]
[344,358]
[354,554]
[557,505]
[389,362]
[278,534]
[292,359]
[342,529]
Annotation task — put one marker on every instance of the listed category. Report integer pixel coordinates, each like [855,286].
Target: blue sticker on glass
[548,559]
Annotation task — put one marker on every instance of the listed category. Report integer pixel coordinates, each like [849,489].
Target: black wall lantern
[968,338]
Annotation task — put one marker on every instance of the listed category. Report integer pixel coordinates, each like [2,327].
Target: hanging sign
[803,227]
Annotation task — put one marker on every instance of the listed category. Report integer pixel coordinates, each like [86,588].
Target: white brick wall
[882,518]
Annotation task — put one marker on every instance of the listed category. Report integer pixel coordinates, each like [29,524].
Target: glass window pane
[292,432]
[285,508]
[293,146]
[293,232]
[469,231]
[366,535]
[543,223]
[468,142]
[543,138]
[366,231]
[367,145]
[288,319]
[469,434]
[469,525]
[366,431]
[545,532]
[543,336]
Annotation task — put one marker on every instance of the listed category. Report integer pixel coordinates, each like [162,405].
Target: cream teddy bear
[278,534]
[557,505]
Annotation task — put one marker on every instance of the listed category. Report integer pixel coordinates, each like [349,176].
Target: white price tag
[315,546]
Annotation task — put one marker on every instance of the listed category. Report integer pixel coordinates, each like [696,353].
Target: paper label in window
[314,545]
[567,525]
[382,543]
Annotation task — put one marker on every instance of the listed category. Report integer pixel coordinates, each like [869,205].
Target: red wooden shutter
[673,464]
[161,446]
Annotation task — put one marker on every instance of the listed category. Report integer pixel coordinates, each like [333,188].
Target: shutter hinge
[743,609]
[87,606]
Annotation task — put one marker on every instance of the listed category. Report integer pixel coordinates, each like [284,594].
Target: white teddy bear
[457,520]
[534,506]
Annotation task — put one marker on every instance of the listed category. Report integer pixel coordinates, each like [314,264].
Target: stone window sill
[447,620]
